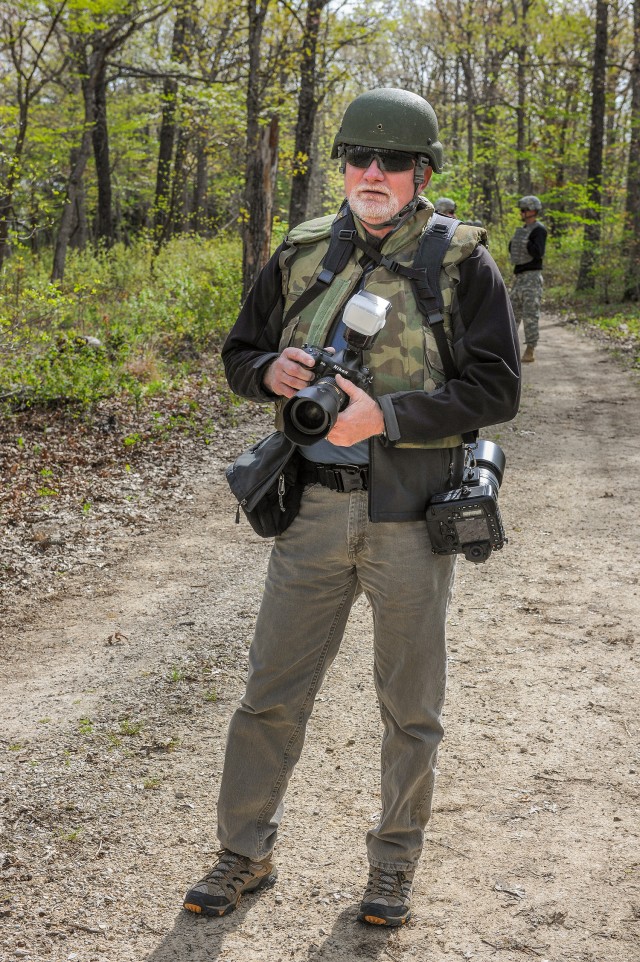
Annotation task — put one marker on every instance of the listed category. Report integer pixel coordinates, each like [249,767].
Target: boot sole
[217,911]
[383,920]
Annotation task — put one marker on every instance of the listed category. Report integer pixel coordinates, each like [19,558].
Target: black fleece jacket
[485,353]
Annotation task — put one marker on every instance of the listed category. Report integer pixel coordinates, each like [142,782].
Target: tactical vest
[518,252]
[404,356]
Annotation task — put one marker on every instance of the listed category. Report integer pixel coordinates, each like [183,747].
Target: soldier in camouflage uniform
[526,250]
[361,525]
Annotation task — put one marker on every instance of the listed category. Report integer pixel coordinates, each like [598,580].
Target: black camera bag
[264,479]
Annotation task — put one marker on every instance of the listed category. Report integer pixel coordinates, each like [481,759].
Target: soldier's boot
[528,355]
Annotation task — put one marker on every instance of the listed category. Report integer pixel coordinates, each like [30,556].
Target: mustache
[381,189]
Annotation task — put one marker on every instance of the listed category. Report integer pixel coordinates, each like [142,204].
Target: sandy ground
[116,695]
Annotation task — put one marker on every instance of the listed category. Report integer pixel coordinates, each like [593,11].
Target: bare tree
[307,109]
[32,73]
[592,230]
[89,52]
[521,14]
[168,127]
[260,152]
[632,279]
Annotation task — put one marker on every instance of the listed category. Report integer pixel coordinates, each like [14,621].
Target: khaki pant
[526,298]
[317,568]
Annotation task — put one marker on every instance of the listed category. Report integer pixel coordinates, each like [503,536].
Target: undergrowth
[126,323]
[123,322]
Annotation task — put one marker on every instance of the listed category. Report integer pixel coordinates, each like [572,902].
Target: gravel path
[117,693]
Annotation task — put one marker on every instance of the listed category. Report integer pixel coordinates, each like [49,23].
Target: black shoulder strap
[335,260]
[434,244]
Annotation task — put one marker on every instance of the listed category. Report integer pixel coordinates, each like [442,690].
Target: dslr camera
[467,520]
[311,413]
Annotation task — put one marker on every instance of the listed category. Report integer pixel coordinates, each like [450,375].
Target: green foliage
[152,317]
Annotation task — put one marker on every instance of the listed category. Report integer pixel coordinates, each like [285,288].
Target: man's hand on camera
[289,373]
[361,418]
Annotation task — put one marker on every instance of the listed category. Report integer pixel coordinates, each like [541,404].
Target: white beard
[375,212]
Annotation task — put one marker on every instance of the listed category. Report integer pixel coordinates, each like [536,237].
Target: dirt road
[116,699]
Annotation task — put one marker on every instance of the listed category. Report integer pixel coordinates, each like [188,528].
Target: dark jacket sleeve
[253,341]
[486,355]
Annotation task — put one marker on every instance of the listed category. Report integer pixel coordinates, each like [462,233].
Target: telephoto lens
[490,462]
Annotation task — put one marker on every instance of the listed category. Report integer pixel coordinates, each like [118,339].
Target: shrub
[123,321]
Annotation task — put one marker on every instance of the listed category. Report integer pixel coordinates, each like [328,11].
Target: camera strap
[335,261]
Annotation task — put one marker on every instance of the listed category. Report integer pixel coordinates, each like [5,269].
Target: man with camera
[371,463]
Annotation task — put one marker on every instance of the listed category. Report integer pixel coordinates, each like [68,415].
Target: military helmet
[391,118]
[530,202]
[444,205]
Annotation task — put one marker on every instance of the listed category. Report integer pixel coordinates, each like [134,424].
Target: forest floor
[125,626]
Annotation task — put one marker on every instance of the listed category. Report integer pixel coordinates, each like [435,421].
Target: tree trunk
[486,141]
[79,233]
[89,70]
[28,89]
[591,238]
[256,229]
[6,197]
[178,210]
[632,278]
[261,178]
[104,225]
[199,217]
[307,110]
[522,68]
[167,138]
[69,213]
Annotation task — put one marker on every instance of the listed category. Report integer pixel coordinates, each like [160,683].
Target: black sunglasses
[390,161]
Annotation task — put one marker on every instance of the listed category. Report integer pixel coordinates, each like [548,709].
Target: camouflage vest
[518,252]
[404,356]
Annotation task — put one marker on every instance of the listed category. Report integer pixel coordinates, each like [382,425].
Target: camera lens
[490,460]
[308,416]
[311,413]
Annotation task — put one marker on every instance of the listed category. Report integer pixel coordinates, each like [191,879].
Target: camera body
[311,413]
[467,520]
[346,362]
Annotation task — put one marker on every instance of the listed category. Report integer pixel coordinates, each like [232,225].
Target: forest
[152,155]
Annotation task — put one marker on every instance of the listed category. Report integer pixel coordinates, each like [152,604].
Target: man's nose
[374,171]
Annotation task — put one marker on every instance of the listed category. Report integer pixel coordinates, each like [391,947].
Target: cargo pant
[317,568]
[526,297]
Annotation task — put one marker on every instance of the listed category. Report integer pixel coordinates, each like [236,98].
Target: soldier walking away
[361,525]
[526,251]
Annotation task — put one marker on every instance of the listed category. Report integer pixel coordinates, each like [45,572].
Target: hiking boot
[528,355]
[220,891]
[387,899]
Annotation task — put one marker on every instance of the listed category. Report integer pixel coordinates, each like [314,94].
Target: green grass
[154,319]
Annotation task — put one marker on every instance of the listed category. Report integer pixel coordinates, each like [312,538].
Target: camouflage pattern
[518,252]
[405,355]
[526,297]
[530,202]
